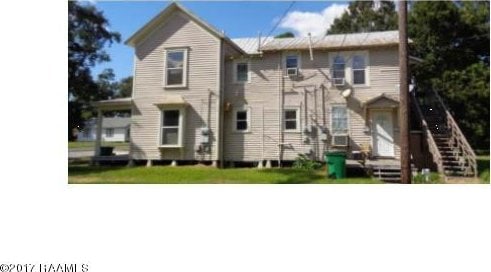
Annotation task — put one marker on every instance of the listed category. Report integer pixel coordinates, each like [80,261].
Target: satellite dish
[346,93]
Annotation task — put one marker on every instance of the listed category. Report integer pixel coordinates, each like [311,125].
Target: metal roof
[249,45]
[355,40]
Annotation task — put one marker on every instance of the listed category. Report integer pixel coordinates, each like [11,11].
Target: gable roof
[383,96]
[166,13]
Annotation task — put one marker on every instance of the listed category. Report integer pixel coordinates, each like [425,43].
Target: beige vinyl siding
[202,80]
[313,94]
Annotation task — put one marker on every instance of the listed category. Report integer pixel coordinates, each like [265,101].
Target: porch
[119,104]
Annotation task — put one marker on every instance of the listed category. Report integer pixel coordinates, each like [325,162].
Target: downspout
[280,109]
[220,77]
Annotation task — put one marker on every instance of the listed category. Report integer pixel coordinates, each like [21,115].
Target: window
[291,120]
[175,68]
[358,69]
[242,120]
[338,70]
[171,128]
[291,63]
[242,72]
[109,132]
[339,120]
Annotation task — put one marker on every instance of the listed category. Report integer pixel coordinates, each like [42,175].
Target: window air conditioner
[340,140]
[292,71]
[338,81]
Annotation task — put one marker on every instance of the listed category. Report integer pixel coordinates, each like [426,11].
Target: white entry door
[383,134]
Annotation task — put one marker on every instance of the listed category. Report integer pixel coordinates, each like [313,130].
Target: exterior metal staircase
[448,146]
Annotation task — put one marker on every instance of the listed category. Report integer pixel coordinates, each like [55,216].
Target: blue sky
[237,19]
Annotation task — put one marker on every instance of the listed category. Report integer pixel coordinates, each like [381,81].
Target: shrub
[305,163]
[485,176]
[433,178]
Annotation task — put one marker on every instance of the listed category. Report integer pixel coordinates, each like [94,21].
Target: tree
[88,34]
[287,34]
[366,16]
[125,87]
[452,39]
[467,93]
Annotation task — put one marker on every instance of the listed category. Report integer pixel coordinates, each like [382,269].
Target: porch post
[98,134]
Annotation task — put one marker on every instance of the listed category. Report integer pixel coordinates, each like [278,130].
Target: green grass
[90,145]
[483,168]
[202,175]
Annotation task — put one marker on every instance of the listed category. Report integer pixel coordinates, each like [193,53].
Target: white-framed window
[339,120]
[176,67]
[109,132]
[291,119]
[339,70]
[171,127]
[359,70]
[242,119]
[350,67]
[292,64]
[241,71]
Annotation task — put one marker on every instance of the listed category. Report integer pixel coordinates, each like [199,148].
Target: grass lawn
[90,145]
[201,175]
[483,168]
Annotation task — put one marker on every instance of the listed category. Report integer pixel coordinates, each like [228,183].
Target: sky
[238,19]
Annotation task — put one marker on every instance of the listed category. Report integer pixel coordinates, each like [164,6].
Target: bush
[485,176]
[433,179]
[305,163]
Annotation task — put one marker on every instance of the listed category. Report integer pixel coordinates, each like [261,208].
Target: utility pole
[404,95]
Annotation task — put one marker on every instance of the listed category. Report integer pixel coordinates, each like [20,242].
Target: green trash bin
[336,164]
[106,150]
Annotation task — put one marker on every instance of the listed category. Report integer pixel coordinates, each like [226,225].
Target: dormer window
[175,68]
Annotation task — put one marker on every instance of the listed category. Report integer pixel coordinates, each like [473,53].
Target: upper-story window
[241,72]
[176,67]
[359,68]
[338,70]
[292,64]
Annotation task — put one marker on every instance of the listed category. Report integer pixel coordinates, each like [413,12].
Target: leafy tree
[452,39]
[467,96]
[365,16]
[125,87]
[88,34]
[287,34]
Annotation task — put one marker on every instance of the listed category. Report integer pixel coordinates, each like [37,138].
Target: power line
[281,19]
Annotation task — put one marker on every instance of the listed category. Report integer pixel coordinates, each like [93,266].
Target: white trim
[234,75]
[247,109]
[184,68]
[180,131]
[297,110]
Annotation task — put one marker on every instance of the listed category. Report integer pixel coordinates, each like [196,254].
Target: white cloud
[314,22]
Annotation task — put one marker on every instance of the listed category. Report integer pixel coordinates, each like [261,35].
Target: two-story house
[201,96]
